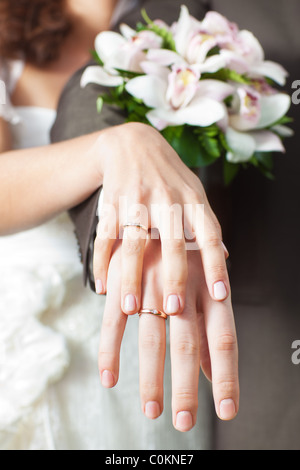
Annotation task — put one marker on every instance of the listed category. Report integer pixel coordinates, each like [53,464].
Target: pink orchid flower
[246,55]
[250,122]
[178,97]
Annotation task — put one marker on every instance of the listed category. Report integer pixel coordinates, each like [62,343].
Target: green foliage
[230,172]
[197,147]
[168,40]
[96,58]
[263,161]
[226,75]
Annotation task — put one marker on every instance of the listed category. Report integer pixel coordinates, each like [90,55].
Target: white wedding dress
[50,392]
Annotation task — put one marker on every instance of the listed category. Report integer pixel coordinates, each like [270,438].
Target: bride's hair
[32,29]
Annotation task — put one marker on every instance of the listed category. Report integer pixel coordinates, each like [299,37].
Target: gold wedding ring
[135,224]
[157,313]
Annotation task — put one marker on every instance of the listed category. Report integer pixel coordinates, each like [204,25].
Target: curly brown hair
[32,29]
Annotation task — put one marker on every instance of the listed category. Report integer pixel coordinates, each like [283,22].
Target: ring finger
[152,345]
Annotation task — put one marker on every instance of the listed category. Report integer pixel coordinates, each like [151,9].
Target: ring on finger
[135,224]
[157,313]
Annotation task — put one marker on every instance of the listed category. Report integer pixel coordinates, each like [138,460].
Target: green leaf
[99,103]
[226,75]
[128,74]
[230,171]
[146,17]
[188,146]
[96,58]
[283,121]
[265,159]
[168,40]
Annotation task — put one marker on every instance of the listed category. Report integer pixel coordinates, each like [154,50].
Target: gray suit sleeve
[77,115]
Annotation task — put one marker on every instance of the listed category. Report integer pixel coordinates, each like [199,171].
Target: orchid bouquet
[205,85]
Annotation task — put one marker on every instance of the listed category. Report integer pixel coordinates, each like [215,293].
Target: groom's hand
[203,335]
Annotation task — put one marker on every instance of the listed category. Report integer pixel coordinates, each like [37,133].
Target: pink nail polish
[107,379]
[99,287]
[173,304]
[130,303]
[220,292]
[227,409]
[184,421]
[152,410]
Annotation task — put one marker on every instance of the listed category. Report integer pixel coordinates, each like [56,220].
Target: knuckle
[218,271]
[137,190]
[130,285]
[106,357]
[176,285]
[101,244]
[150,388]
[164,194]
[187,347]
[106,232]
[212,240]
[226,385]
[112,198]
[174,246]
[131,247]
[188,396]
[226,342]
[110,323]
[153,343]
[193,195]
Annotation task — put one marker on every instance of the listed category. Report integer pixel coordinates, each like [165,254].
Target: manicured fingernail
[184,421]
[130,303]
[173,304]
[227,409]
[220,292]
[152,410]
[107,379]
[99,287]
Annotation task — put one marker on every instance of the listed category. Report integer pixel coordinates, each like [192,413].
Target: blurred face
[95,14]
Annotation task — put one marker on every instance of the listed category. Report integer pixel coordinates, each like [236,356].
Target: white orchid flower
[250,115]
[125,52]
[117,51]
[193,44]
[246,55]
[179,97]
[244,144]
[99,76]
[239,50]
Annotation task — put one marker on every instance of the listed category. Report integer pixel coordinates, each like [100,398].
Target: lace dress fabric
[50,393]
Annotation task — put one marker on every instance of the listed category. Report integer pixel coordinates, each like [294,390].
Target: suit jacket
[262,231]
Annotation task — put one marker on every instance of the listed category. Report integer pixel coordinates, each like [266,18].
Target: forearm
[37,184]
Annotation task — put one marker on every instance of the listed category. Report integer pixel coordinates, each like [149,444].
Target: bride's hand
[145,182]
[203,335]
